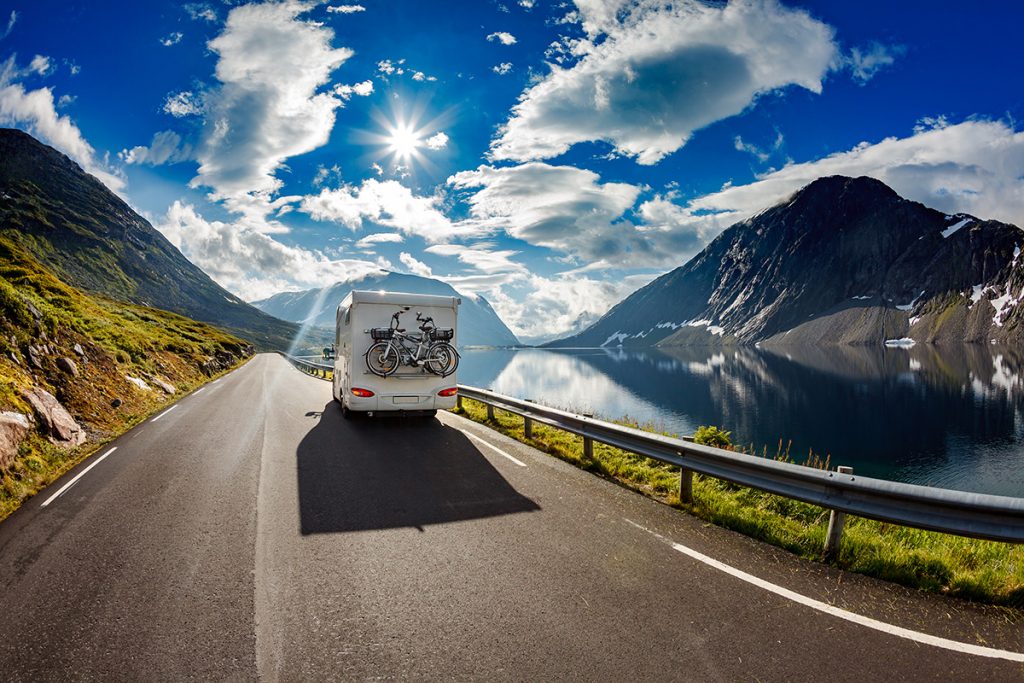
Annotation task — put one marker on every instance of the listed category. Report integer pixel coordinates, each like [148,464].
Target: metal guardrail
[321,370]
[975,515]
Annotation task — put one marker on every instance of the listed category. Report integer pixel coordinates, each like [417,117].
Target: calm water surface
[948,417]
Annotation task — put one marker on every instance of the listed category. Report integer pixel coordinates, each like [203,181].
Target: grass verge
[981,571]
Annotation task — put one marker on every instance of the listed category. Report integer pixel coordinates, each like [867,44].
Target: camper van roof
[399,298]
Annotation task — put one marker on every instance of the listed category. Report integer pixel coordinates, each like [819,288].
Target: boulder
[34,357]
[79,350]
[67,365]
[13,428]
[61,427]
[165,386]
[116,403]
[138,382]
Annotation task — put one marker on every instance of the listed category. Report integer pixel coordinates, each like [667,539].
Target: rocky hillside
[479,325]
[77,369]
[842,261]
[91,239]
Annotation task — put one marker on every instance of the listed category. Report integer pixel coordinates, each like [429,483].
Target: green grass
[119,339]
[981,571]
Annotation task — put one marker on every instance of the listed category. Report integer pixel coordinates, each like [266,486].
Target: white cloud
[387,203]
[363,89]
[165,148]
[865,62]
[41,65]
[66,100]
[271,65]
[415,267]
[346,9]
[559,207]
[35,112]
[761,154]
[481,256]
[172,39]
[202,11]
[324,174]
[10,25]
[661,72]
[972,167]
[183,104]
[438,140]
[526,4]
[376,238]
[389,68]
[502,69]
[503,37]
[250,263]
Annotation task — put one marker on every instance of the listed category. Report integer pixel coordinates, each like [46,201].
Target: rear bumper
[403,402]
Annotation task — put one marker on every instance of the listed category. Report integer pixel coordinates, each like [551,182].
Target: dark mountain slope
[91,239]
[844,260]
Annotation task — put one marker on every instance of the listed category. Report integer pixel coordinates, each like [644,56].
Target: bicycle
[430,349]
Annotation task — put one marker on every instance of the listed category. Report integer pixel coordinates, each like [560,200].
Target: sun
[404,141]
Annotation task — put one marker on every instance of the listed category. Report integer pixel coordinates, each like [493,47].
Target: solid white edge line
[164,413]
[198,391]
[875,624]
[497,450]
[81,474]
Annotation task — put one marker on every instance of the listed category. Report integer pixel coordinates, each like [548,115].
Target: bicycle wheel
[382,359]
[442,359]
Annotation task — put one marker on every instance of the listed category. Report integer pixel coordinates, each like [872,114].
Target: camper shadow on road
[382,473]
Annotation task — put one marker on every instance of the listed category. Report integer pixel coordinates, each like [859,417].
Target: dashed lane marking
[494,448]
[74,481]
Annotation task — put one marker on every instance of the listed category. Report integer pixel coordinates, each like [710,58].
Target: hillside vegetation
[108,364]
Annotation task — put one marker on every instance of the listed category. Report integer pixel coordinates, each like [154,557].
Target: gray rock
[61,427]
[79,350]
[34,357]
[67,365]
[14,357]
[165,386]
[116,403]
[13,428]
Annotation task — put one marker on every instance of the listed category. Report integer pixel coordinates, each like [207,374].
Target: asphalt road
[252,533]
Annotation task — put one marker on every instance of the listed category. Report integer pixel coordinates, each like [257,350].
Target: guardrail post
[685,486]
[588,448]
[490,412]
[836,520]
[458,401]
[527,427]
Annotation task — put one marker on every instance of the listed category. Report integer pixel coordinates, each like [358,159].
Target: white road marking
[897,631]
[494,448]
[198,391]
[74,481]
[163,413]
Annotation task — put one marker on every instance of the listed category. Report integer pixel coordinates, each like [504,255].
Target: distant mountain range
[479,325]
[842,261]
[91,239]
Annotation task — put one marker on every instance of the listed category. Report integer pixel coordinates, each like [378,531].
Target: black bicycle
[429,349]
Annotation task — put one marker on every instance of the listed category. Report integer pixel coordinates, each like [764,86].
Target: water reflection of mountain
[948,416]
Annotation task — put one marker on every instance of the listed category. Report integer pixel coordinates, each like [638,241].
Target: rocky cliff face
[91,239]
[843,261]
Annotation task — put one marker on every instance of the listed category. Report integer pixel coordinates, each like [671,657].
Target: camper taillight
[450,391]
[361,393]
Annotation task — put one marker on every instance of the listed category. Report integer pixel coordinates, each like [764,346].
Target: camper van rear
[408,370]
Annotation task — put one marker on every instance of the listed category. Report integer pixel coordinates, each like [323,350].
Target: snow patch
[1000,304]
[910,306]
[674,326]
[862,297]
[953,228]
[915,365]
[698,323]
[976,292]
[914,319]
[619,336]
[901,343]
[716,330]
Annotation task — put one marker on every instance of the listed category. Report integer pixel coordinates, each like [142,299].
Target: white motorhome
[411,388]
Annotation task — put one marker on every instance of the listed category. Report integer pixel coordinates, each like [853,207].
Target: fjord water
[946,416]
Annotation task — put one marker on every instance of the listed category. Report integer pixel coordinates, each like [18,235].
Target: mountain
[479,325]
[89,238]
[842,261]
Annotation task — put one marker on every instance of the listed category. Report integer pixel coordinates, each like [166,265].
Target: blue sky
[552,156]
